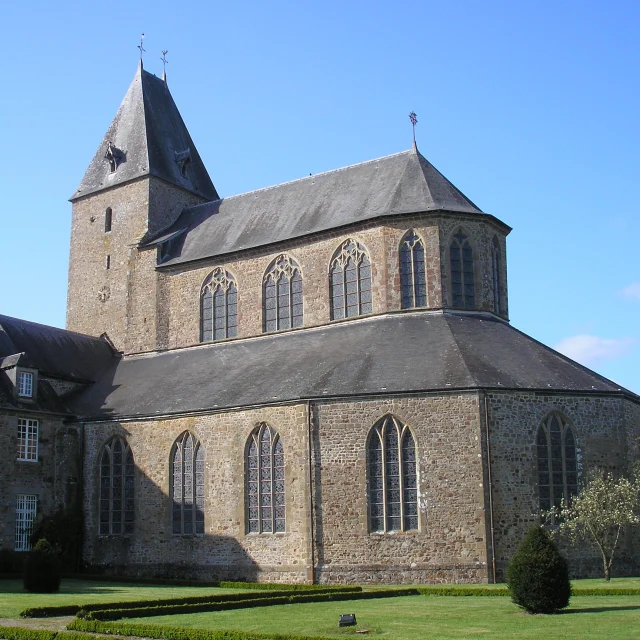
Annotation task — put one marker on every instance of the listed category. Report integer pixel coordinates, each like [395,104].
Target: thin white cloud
[591,349]
[632,291]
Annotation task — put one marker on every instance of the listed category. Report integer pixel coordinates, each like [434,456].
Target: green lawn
[13,598]
[430,617]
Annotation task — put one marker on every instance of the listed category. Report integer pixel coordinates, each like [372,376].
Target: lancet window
[187,485]
[350,281]
[116,488]
[219,306]
[282,295]
[265,505]
[413,281]
[495,275]
[557,462]
[462,280]
[392,477]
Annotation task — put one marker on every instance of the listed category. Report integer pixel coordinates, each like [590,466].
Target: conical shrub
[42,569]
[538,576]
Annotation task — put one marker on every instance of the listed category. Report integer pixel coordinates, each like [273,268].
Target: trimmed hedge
[19,633]
[274,586]
[176,633]
[246,603]
[462,591]
[70,610]
[606,592]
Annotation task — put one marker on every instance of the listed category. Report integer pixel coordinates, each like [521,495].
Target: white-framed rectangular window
[25,384]
[27,439]
[26,507]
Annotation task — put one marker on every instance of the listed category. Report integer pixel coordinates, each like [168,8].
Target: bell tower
[144,173]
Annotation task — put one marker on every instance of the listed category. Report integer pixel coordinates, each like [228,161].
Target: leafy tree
[538,576]
[600,512]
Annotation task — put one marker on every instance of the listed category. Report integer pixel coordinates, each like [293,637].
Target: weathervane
[142,49]
[165,62]
[414,121]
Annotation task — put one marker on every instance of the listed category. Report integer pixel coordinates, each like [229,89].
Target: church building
[311,382]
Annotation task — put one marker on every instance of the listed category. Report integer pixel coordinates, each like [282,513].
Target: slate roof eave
[396,354]
[394,215]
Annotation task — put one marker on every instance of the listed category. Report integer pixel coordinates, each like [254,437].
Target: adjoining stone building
[315,381]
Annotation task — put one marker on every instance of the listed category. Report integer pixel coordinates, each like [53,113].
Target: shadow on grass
[599,609]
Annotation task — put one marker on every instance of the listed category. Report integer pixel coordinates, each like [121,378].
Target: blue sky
[530,108]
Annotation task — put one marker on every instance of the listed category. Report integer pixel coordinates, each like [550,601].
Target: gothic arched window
[462,282]
[218,306]
[282,295]
[393,477]
[557,462]
[495,274]
[187,485]
[350,280]
[265,507]
[116,488]
[413,281]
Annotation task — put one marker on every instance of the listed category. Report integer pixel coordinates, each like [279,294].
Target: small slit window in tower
[108,262]
[108,217]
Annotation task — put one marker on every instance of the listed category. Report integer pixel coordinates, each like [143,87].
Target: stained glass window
[282,295]
[218,307]
[557,462]
[495,275]
[392,477]
[413,280]
[265,505]
[187,485]
[462,282]
[350,281]
[116,488]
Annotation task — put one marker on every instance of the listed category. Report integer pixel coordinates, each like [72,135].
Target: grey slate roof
[399,353]
[398,184]
[54,351]
[148,129]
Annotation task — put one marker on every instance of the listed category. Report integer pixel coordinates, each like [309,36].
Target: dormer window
[25,384]
[114,156]
[183,160]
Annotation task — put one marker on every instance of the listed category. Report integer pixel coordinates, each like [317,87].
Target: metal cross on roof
[165,62]
[142,49]
[414,121]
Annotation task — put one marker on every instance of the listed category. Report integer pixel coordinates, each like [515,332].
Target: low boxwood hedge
[262,601]
[175,633]
[462,591]
[82,610]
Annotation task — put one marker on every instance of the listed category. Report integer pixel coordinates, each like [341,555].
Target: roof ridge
[315,175]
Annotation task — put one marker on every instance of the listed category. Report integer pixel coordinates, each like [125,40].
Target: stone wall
[514,418]
[179,311]
[119,298]
[448,547]
[225,550]
[54,477]
[450,544]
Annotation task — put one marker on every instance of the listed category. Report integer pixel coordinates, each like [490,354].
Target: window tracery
[219,306]
[282,295]
[116,488]
[350,281]
[392,477]
[413,281]
[265,495]
[187,485]
[462,279]
[557,462]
